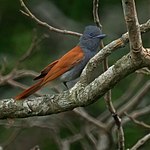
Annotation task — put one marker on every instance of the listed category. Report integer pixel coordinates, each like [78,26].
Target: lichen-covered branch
[133,26]
[78,96]
[106,51]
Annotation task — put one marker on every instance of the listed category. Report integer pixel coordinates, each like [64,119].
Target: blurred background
[17,33]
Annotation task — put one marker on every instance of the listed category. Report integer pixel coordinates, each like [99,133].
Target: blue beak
[101,36]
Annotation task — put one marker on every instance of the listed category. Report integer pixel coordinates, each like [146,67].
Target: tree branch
[90,119]
[140,123]
[95,13]
[106,51]
[81,96]
[77,96]
[134,101]
[44,24]
[141,142]
[133,26]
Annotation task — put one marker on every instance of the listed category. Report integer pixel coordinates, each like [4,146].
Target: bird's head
[91,38]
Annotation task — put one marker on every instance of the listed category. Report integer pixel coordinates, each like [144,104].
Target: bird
[68,68]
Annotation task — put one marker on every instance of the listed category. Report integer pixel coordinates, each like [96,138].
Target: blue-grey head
[91,38]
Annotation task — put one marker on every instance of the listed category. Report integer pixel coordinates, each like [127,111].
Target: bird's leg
[65,84]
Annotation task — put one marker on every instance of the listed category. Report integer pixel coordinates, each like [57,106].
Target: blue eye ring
[91,35]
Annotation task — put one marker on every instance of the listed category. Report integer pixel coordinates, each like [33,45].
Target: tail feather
[29,91]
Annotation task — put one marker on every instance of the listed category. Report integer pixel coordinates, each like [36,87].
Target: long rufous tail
[29,91]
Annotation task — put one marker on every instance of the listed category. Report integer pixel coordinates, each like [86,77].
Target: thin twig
[124,97]
[141,112]
[15,74]
[95,13]
[141,142]
[92,139]
[28,13]
[85,115]
[133,102]
[21,86]
[120,132]
[140,123]
[121,139]
[145,71]
[137,113]
[136,99]
[66,142]
[12,137]
[130,90]
[35,42]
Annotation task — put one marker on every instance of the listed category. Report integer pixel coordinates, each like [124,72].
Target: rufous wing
[45,70]
[64,64]
[54,70]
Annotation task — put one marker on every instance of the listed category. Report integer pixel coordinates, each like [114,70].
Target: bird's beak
[101,36]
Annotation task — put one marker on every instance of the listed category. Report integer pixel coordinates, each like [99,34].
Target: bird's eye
[91,35]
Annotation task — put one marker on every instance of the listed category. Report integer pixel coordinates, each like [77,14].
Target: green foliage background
[16,33]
